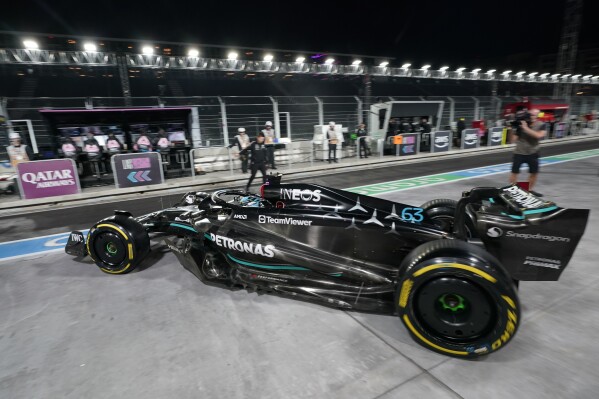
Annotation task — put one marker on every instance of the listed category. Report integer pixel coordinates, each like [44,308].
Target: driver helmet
[250,201]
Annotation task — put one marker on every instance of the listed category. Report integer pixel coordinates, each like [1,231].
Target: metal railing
[294,116]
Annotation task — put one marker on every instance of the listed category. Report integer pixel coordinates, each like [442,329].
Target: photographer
[526,133]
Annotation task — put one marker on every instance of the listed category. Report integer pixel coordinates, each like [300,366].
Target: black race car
[448,269]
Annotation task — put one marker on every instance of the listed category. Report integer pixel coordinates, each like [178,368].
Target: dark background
[501,35]
[472,33]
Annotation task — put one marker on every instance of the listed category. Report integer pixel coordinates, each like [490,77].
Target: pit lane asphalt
[13,227]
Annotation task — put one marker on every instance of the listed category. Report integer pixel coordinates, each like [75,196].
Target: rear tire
[456,299]
[442,210]
[117,244]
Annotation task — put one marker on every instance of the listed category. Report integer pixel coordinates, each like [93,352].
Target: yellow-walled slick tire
[117,244]
[456,299]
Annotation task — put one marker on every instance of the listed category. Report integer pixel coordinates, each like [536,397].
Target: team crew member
[143,143]
[18,152]
[242,141]
[259,158]
[269,140]
[91,147]
[113,144]
[333,140]
[527,149]
[162,142]
[362,133]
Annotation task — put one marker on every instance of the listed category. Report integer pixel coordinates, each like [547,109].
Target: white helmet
[241,130]
[269,123]
[331,123]
[14,135]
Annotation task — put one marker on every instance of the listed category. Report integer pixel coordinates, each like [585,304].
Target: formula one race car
[448,269]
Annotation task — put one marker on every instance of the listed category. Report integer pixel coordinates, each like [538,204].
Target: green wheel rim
[111,248]
[452,302]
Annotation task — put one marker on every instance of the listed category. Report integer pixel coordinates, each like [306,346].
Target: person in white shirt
[17,151]
[269,142]
[333,141]
[242,141]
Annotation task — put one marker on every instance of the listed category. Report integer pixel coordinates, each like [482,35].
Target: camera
[522,114]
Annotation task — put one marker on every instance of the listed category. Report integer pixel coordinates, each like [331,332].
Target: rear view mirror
[202,225]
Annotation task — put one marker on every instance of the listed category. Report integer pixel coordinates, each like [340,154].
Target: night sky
[458,33]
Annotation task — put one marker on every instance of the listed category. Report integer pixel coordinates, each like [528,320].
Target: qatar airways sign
[39,179]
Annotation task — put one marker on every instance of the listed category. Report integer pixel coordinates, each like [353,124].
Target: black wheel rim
[455,309]
[110,248]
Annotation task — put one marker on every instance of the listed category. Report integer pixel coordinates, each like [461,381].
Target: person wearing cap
[333,140]
[269,140]
[259,156]
[242,141]
[18,152]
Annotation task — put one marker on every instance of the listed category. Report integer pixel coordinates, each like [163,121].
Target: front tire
[118,244]
[456,299]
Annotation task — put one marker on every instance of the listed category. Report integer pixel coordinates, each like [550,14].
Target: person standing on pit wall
[259,158]
[18,152]
[331,136]
[242,141]
[527,138]
[269,140]
[362,133]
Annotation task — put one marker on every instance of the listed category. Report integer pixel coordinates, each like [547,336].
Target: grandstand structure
[168,67]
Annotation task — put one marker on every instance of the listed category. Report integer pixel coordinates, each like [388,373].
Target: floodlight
[30,44]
